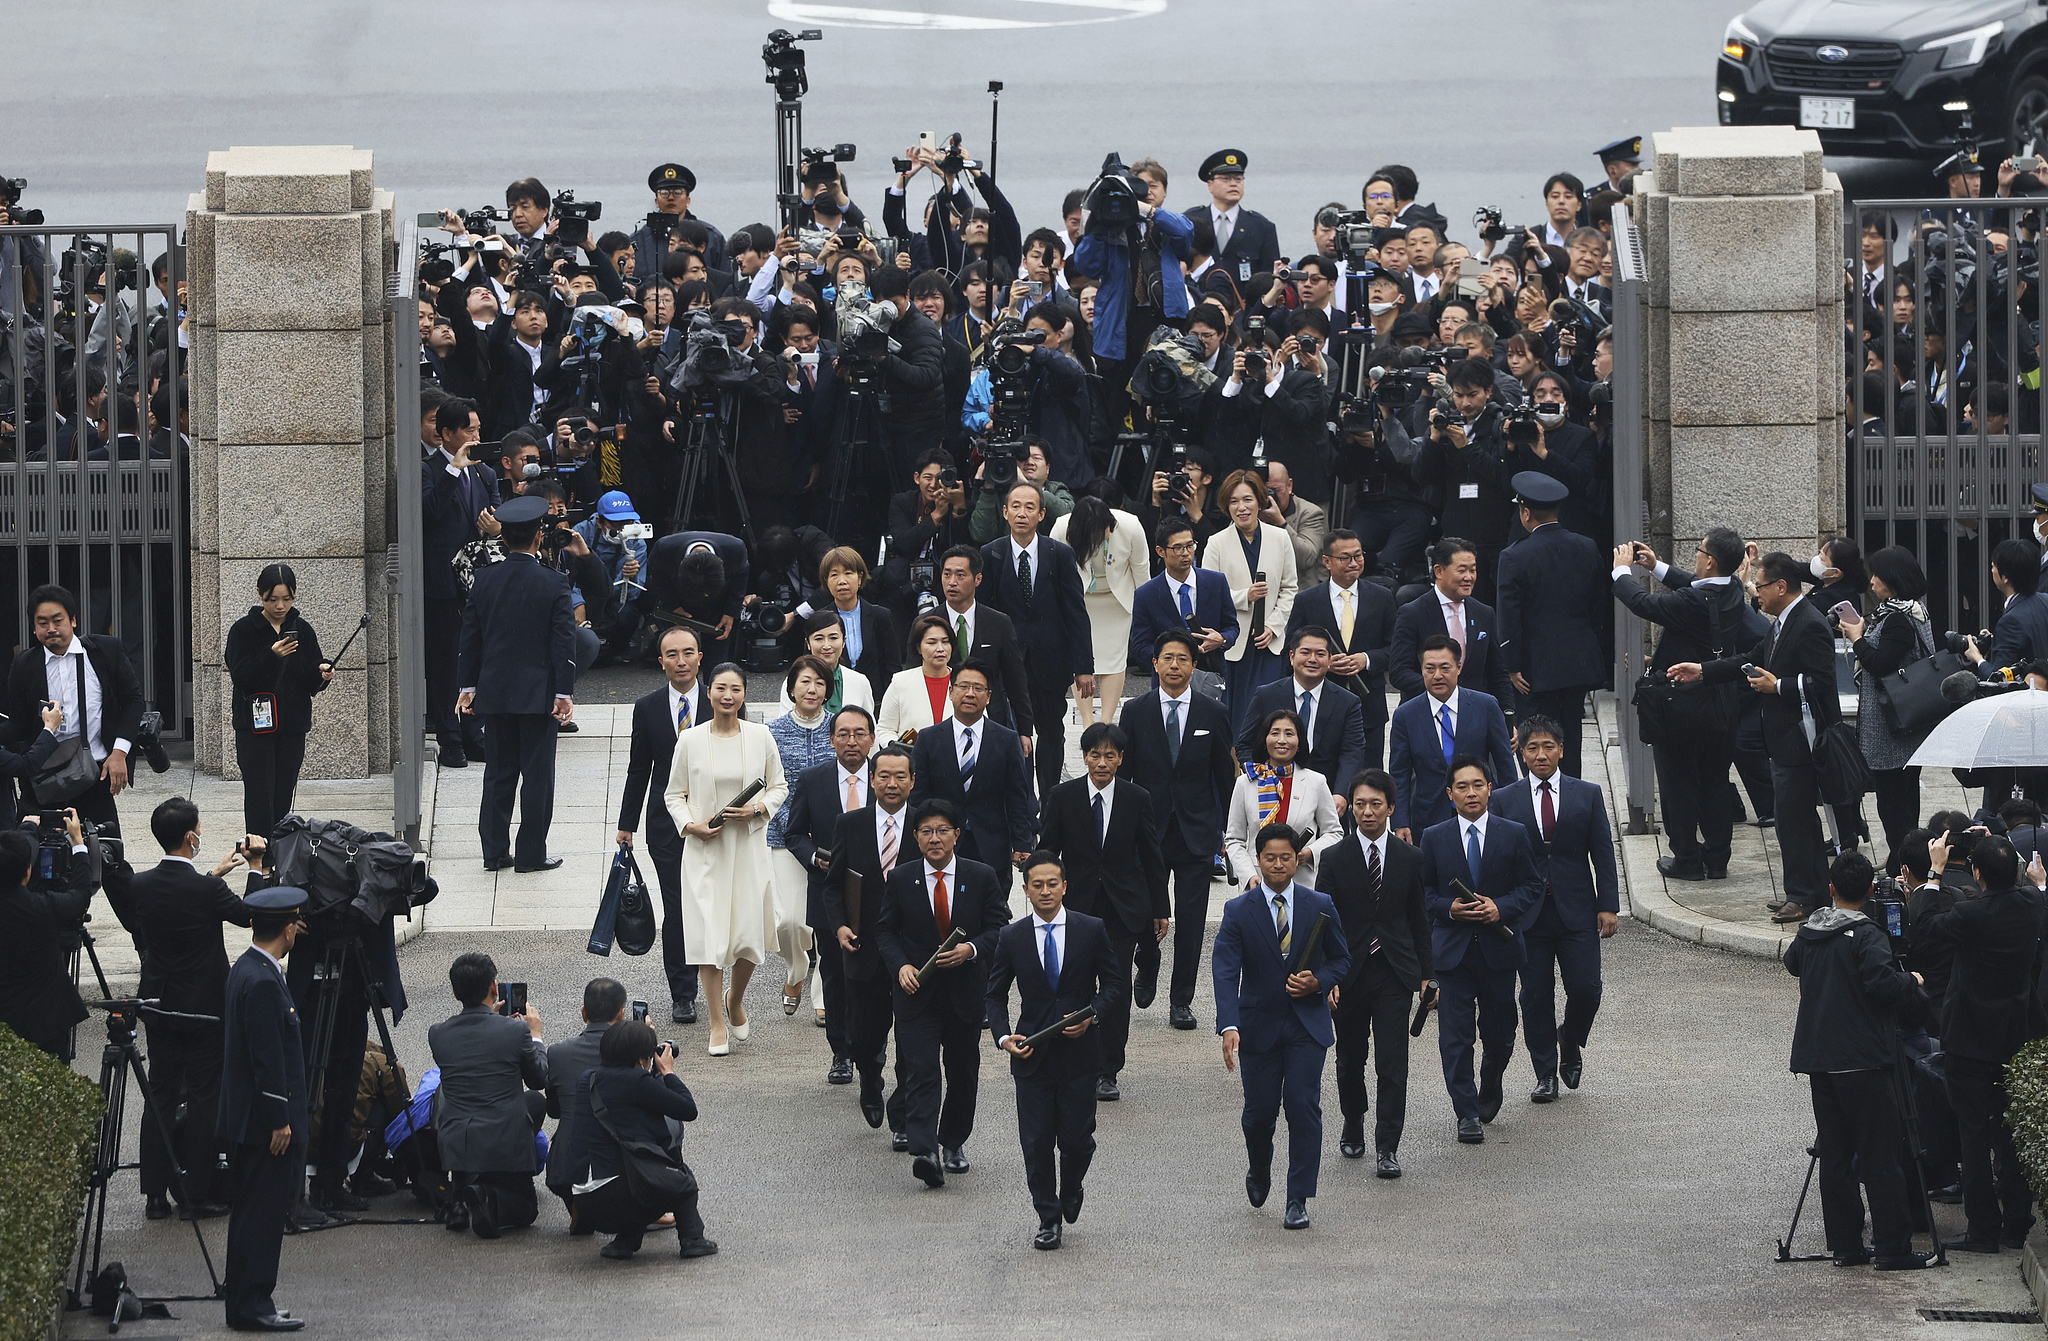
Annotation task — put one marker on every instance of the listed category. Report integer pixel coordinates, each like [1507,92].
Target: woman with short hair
[629,1096]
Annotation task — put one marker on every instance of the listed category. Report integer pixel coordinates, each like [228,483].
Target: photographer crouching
[41,913]
[1846,1042]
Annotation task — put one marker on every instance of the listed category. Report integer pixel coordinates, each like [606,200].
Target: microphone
[1960,687]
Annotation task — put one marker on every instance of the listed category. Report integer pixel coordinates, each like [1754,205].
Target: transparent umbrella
[2008,730]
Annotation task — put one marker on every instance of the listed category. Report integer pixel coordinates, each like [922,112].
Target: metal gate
[1631,502]
[93,452]
[1946,309]
[408,631]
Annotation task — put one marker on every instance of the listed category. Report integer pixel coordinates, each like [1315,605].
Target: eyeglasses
[1185,547]
[946,832]
[1379,195]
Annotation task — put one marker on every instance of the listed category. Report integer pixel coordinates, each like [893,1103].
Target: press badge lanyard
[263,707]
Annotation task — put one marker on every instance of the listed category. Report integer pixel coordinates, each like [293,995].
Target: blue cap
[1539,490]
[278,899]
[2040,493]
[616,506]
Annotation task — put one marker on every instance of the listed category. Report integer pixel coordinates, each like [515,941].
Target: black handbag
[655,1178]
[1911,695]
[1838,764]
[634,925]
[69,772]
[1667,712]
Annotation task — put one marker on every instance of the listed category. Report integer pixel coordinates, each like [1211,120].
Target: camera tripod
[711,434]
[118,1061]
[857,421]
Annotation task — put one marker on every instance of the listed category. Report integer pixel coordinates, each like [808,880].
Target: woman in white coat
[1276,785]
[728,883]
[1109,547]
[1248,548]
[919,696]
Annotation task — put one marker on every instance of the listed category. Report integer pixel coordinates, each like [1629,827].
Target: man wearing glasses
[672,184]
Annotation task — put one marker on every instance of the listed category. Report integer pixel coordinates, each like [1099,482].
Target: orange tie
[941,912]
[852,793]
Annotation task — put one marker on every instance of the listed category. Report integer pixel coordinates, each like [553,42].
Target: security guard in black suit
[516,665]
[1552,599]
[1247,242]
[262,1115]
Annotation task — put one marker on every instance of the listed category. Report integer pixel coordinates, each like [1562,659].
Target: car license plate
[1828,113]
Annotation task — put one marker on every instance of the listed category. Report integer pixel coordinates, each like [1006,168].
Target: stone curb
[2031,1269]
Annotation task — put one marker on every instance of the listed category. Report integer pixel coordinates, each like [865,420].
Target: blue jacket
[1416,756]
[1251,979]
[263,1069]
[1577,864]
[1155,608]
[1110,262]
[1507,875]
[2021,634]
[612,552]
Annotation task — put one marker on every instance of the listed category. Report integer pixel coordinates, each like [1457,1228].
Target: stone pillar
[291,252]
[1742,233]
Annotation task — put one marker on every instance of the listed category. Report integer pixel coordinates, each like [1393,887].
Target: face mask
[1818,565]
[1380,309]
[635,329]
[1550,416]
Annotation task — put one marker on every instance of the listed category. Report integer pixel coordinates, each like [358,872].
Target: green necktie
[960,636]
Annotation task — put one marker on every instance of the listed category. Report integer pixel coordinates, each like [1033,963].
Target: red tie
[1549,812]
[941,912]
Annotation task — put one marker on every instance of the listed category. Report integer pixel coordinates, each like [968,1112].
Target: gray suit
[567,1061]
[483,1118]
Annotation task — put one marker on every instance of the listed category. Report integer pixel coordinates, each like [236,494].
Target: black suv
[1885,79]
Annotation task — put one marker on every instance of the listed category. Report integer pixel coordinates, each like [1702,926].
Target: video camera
[1887,902]
[573,219]
[478,222]
[57,866]
[953,162]
[349,874]
[863,324]
[1113,198]
[818,164]
[1487,222]
[786,62]
[1354,231]
[712,357]
[1403,383]
[11,188]
[1519,422]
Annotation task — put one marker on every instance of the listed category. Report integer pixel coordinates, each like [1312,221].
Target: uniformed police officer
[516,663]
[262,1110]
[2039,498]
[1621,158]
[1552,596]
[672,184]
[1247,244]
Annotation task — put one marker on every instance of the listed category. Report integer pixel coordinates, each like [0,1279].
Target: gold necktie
[1344,620]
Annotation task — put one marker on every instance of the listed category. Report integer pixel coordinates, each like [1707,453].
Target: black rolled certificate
[752,790]
[1085,1013]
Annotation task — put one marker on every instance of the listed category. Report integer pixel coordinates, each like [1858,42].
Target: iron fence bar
[409,637]
[1629,505]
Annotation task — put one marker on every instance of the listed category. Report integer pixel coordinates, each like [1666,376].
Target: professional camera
[92,257]
[786,62]
[1955,643]
[1579,320]
[11,189]
[149,742]
[1520,420]
[863,323]
[1256,359]
[953,162]
[818,164]
[1487,221]
[1443,411]
[1354,234]
[1887,908]
[587,434]
[479,221]
[57,866]
[1404,381]
[1113,198]
[573,219]
[712,355]
[347,870]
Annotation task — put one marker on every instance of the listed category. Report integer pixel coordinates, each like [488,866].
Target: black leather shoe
[158,1207]
[483,1212]
[683,1012]
[699,1247]
[367,1184]
[268,1322]
[841,1072]
[1297,1215]
[1545,1091]
[1106,1091]
[209,1210]
[304,1215]
[1952,1195]
[1852,1257]
[899,1141]
[1490,1099]
[2016,1242]
[1672,869]
[337,1198]
[454,759]
[1180,1017]
[1717,873]
[1351,1149]
[1767,822]
[1070,1204]
[1571,1065]
[1967,1244]
[1048,1236]
[1906,1262]
[566,728]
[457,1219]
[1387,1166]
[871,1102]
[927,1168]
[1257,1184]
[616,1251]
[547,864]
[1144,985]
[1470,1132]
[497,863]
[955,1159]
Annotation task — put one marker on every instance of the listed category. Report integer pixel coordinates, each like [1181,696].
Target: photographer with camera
[1540,438]
[700,577]
[633,1095]
[91,678]
[2021,632]
[617,540]
[39,931]
[275,667]
[1291,404]
[925,521]
[987,520]
[494,1068]
[1460,465]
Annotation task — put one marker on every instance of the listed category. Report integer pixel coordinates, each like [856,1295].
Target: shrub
[49,1126]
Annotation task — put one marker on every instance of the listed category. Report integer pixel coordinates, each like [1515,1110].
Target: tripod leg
[92,1224]
[178,1176]
[1785,1244]
[1909,1114]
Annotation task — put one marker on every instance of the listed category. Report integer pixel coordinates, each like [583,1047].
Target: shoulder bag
[1911,695]
[69,772]
[1838,763]
[654,1177]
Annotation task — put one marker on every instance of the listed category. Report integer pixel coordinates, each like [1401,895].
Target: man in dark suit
[913,375]
[1272,986]
[522,359]
[701,576]
[262,1117]
[186,971]
[1193,600]
[1475,946]
[1247,244]
[939,1015]
[925,521]
[1180,753]
[867,844]
[39,932]
[604,1005]
[1553,596]
[1796,659]
[1990,1011]
[979,767]
[1579,906]
[455,489]
[1034,580]
[658,718]
[1359,617]
[1702,620]
[494,1069]
[1430,731]
[1106,834]
[1061,961]
[1334,716]
[985,634]
[2021,633]
[91,678]
[818,797]
[516,664]
[1375,881]
[1448,608]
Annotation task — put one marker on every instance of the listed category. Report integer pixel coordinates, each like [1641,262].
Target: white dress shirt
[952,893]
[1037,572]
[1466,828]
[961,731]
[1108,795]
[953,618]
[675,706]
[1436,706]
[1426,286]
[1059,936]
[860,786]
[61,676]
[1368,846]
[1536,785]
[901,819]
[1315,699]
[1286,897]
[1186,701]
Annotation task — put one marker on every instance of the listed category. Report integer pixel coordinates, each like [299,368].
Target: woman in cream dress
[728,894]
[1113,564]
[1248,548]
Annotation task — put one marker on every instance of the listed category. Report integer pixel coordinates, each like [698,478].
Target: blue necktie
[1443,717]
[1308,703]
[1101,823]
[1472,853]
[967,764]
[1187,606]
[1052,959]
[1173,730]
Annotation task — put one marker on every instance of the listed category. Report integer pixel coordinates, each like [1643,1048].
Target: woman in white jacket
[1248,548]
[1109,547]
[1276,785]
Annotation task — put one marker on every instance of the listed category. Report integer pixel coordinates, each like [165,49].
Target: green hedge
[49,1126]
[2026,1082]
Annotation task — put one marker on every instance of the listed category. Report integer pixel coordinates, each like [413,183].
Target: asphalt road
[110,112]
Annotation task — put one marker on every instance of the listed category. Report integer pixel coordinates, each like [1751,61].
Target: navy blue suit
[1189,787]
[815,805]
[1475,967]
[1053,626]
[1002,814]
[1372,632]
[1417,754]
[262,1088]
[2021,634]
[1336,732]
[1562,932]
[653,749]
[518,653]
[448,508]
[1155,608]
[1552,592]
[1423,618]
[1282,1040]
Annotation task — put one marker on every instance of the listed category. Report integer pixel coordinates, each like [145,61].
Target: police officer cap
[1539,490]
[1628,150]
[669,176]
[525,510]
[1223,160]
[1962,161]
[2040,492]
[277,899]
